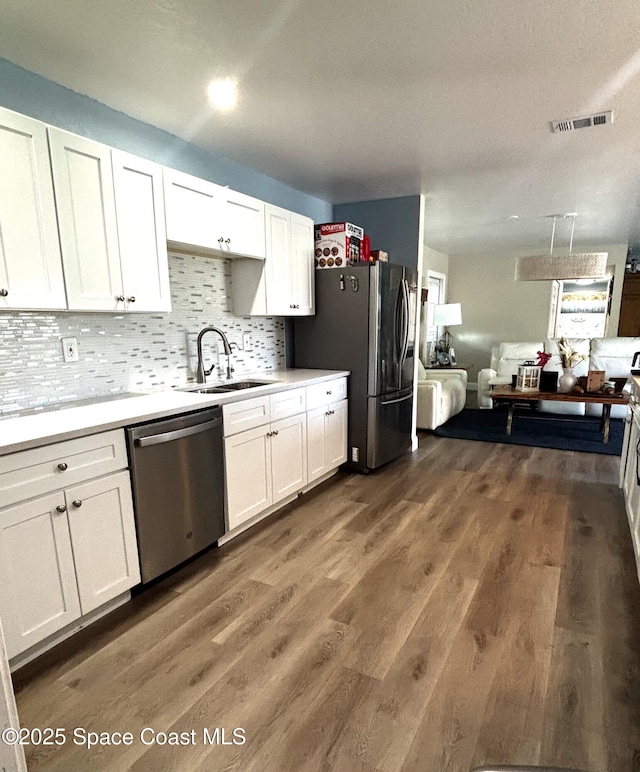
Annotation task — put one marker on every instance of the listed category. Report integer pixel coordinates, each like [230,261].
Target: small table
[511,396]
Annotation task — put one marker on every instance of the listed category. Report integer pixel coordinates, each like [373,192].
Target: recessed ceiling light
[223,93]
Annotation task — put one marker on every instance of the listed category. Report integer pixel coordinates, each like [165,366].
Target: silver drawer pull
[77,503]
[61,508]
[63,467]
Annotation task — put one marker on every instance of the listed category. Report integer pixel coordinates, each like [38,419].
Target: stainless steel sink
[225,388]
[244,385]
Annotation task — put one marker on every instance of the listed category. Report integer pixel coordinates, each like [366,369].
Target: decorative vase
[567,380]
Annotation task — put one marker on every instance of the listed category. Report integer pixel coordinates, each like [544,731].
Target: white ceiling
[353,99]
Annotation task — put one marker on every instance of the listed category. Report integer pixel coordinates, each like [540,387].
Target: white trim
[11,756]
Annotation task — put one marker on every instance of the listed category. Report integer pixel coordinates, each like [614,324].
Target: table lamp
[447,315]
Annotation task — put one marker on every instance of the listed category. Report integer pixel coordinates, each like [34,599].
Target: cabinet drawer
[287,403]
[30,473]
[240,416]
[328,391]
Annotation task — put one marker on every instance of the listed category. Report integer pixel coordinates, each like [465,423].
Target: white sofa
[613,355]
[441,393]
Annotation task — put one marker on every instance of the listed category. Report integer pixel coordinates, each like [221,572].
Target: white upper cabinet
[112,228]
[30,264]
[142,236]
[208,216]
[83,181]
[285,286]
[241,224]
[278,278]
[302,269]
[191,207]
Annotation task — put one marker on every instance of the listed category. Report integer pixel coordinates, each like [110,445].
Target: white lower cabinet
[264,466]
[39,593]
[288,457]
[276,445]
[68,551]
[631,479]
[103,535]
[248,475]
[326,438]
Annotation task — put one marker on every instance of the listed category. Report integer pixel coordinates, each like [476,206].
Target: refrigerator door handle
[393,401]
[399,314]
[405,320]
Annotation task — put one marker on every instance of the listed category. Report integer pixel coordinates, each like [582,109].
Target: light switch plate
[70,350]
[247,342]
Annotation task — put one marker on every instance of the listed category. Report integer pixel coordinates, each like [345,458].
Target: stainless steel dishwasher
[177,471]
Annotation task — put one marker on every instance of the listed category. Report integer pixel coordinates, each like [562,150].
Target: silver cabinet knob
[269,434]
[4,292]
[227,241]
[63,467]
[61,508]
[276,431]
[329,392]
[77,503]
[120,298]
[221,240]
[132,299]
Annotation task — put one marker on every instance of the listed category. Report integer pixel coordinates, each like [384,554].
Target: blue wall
[392,223]
[33,95]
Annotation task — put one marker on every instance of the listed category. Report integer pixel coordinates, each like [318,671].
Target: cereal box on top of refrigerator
[337,244]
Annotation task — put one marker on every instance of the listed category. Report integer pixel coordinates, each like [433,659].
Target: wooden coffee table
[511,396]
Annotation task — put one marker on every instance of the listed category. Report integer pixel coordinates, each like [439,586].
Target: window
[580,308]
[436,285]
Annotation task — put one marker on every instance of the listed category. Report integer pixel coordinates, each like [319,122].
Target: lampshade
[584,265]
[447,314]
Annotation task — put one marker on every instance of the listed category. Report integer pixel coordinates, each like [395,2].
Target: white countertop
[30,431]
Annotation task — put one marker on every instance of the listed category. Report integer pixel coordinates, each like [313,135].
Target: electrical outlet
[247,343]
[70,350]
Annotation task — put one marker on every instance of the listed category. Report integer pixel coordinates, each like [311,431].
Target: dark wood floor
[471,603]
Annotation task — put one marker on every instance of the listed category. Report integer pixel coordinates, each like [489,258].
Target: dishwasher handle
[178,434]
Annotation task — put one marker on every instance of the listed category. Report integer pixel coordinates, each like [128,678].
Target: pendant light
[581,265]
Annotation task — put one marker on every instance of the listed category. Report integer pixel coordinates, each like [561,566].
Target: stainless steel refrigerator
[365,322]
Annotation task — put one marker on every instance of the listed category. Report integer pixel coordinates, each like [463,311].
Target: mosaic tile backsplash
[134,352]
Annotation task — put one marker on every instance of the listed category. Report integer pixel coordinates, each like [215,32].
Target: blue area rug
[542,430]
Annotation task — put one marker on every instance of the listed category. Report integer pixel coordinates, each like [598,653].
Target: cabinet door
[192,208]
[103,535]
[83,182]
[278,267]
[39,594]
[302,266]
[288,456]
[30,263]
[336,435]
[316,440]
[248,473]
[241,225]
[142,235]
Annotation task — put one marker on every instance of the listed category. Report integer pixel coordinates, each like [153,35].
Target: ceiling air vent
[571,124]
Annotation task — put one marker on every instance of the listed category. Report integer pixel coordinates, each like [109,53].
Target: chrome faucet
[202,373]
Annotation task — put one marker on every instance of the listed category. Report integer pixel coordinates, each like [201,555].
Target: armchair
[440,394]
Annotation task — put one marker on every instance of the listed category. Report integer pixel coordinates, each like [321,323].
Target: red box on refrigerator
[337,244]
